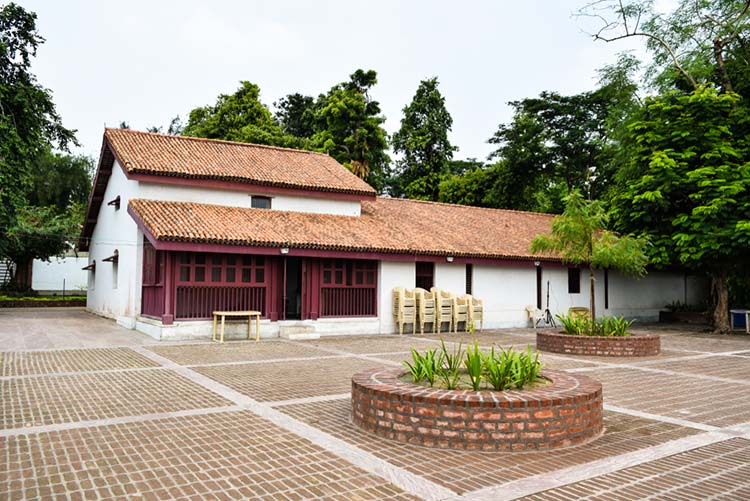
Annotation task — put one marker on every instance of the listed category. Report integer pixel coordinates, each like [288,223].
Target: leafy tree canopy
[238,117]
[349,127]
[295,113]
[423,142]
[29,123]
[60,180]
[687,184]
[580,236]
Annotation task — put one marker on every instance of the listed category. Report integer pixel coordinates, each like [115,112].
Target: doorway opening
[293,288]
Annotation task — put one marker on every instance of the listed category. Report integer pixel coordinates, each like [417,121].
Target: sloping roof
[393,226]
[198,158]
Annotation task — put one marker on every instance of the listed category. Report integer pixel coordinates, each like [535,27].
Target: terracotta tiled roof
[198,158]
[385,226]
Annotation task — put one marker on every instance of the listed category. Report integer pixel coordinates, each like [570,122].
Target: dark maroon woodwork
[152,295]
[206,282]
[348,288]
[310,289]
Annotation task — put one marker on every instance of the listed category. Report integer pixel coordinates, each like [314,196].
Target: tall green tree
[239,117]
[29,122]
[556,144]
[60,180]
[39,233]
[349,127]
[687,185]
[698,42]
[295,114]
[423,142]
[580,236]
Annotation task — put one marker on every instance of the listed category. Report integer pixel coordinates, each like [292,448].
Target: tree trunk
[720,66]
[22,275]
[721,307]
[592,303]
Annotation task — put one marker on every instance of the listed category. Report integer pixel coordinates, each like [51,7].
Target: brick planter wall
[566,411]
[43,304]
[637,345]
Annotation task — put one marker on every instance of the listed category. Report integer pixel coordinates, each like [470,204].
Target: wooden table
[249,314]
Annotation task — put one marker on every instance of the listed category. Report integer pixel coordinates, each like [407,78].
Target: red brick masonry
[567,411]
[637,345]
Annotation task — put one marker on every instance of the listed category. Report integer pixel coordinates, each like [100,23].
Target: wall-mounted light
[284,250]
[537,263]
[449,259]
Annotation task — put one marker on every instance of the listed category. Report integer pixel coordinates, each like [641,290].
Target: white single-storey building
[178,227]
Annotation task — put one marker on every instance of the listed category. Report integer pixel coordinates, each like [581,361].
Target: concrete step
[298,332]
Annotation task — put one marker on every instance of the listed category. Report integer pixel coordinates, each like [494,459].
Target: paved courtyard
[125,416]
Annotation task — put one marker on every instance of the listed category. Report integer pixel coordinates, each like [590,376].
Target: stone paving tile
[469,471]
[720,366]
[489,338]
[236,351]
[82,397]
[633,360]
[711,402]
[368,344]
[21,363]
[706,342]
[234,455]
[287,380]
[717,471]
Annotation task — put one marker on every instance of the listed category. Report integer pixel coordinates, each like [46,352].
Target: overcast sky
[144,62]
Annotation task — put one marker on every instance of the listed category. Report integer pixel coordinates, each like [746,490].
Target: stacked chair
[443,308]
[460,312]
[476,311]
[404,308]
[425,309]
[437,307]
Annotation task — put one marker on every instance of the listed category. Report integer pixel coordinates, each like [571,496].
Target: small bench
[249,314]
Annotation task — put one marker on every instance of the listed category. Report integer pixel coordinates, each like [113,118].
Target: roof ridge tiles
[472,207]
[216,141]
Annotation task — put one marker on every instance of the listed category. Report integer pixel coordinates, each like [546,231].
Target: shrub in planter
[605,326]
[498,370]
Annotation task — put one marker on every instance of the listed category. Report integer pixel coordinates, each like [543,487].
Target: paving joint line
[309,400]
[79,373]
[95,423]
[664,419]
[566,476]
[409,482]
[348,354]
[667,372]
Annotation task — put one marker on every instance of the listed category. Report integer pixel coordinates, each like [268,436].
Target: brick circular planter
[566,411]
[637,345]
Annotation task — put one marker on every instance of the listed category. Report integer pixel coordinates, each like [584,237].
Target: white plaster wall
[506,291]
[115,229]
[392,274]
[642,299]
[49,275]
[301,203]
[451,277]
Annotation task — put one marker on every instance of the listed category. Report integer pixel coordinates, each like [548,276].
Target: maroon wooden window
[209,282]
[425,275]
[152,290]
[348,288]
[469,278]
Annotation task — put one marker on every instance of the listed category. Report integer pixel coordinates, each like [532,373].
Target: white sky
[146,61]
